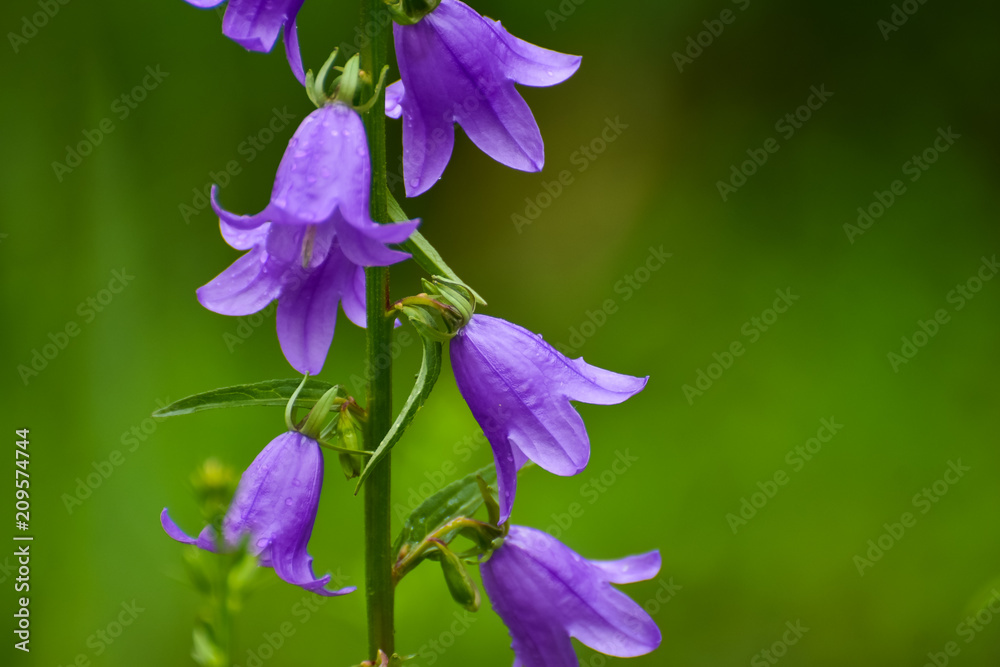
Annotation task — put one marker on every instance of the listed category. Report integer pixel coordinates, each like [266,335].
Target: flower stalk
[379,588]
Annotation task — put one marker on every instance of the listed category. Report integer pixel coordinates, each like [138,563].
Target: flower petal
[352,300]
[243,239]
[532,65]
[205,4]
[295,567]
[394,94]
[505,129]
[630,569]
[307,315]
[292,52]
[246,287]
[238,221]
[205,540]
[363,242]
[255,24]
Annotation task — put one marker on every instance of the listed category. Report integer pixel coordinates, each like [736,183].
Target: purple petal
[353,299]
[546,592]
[363,242]
[205,4]
[630,569]
[243,239]
[205,540]
[504,128]
[326,166]
[255,24]
[238,221]
[275,507]
[292,52]
[307,316]
[394,94]
[532,65]
[246,287]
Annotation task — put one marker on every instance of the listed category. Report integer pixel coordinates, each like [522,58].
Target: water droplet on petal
[414,182]
[289,501]
[550,73]
[262,543]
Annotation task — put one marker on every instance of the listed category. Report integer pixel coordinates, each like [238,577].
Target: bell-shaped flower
[255,24]
[459,67]
[546,593]
[274,510]
[519,389]
[309,246]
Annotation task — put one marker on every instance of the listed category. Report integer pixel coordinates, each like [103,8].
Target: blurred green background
[681,130]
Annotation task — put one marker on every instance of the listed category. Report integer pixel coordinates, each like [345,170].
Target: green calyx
[409,12]
[440,312]
[346,86]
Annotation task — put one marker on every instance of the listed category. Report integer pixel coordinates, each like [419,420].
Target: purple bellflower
[519,389]
[309,246]
[255,24]
[546,593]
[275,509]
[459,67]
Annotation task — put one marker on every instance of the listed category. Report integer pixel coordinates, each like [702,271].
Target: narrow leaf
[430,368]
[460,498]
[271,392]
[424,254]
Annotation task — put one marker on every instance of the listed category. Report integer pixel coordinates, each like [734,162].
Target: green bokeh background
[654,186]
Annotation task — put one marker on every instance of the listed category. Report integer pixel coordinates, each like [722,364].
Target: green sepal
[204,650]
[430,369]
[461,586]
[423,253]
[410,12]
[460,498]
[269,393]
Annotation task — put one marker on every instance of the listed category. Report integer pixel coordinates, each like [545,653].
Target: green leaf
[271,392]
[460,498]
[423,252]
[430,368]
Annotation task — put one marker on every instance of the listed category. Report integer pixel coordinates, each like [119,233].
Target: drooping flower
[255,24]
[519,389]
[459,67]
[546,593]
[310,244]
[274,509]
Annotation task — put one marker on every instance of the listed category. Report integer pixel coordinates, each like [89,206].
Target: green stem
[379,558]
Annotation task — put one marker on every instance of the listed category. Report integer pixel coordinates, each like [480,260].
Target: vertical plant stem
[379,589]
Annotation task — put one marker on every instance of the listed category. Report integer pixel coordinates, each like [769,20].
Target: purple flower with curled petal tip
[274,509]
[325,177]
[519,389]
[255,24]
[459,67]
[309,246]
[546,593]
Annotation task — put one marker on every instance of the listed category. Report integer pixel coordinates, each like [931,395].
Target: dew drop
[262,543]
[289,501]
[550,73]
[414,182]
